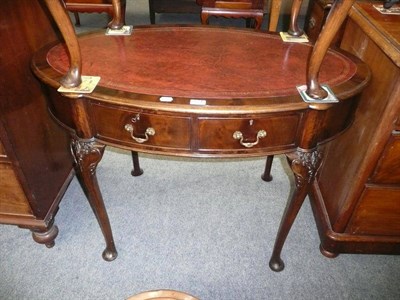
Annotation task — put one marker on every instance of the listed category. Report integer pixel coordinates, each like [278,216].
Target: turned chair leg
[266,176]
[152,12]
[77,19]
[136,171]
[249,23]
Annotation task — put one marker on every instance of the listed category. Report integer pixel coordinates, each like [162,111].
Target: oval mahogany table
[200,92]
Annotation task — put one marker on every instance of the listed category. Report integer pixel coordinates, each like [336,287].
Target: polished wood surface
[359,212]
[35,163]
[383,29]
[151,55]
[219,121]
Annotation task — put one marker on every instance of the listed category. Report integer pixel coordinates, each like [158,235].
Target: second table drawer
[244,133]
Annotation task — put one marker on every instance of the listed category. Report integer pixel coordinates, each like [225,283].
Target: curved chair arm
[73,76]
[335,19]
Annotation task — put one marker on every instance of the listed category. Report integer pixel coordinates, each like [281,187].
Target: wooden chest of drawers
[362,207]
[35,163]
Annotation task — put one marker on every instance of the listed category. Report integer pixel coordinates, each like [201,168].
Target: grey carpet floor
[205,227]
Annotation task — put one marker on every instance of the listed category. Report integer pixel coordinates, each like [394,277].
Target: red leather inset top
[200,62]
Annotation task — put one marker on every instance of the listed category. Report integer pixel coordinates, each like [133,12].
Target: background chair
[248,9]
[172,6]
[90,6]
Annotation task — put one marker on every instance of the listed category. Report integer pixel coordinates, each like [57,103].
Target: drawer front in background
[2,151]
[12,197]
[316,19]
[88,2]
[169,131]
[378,212]
[388,168]
[217,133]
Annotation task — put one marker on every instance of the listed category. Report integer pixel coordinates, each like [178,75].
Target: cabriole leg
[87,154]
[304,165]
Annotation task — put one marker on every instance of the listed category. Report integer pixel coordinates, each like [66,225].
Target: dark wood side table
[362,215]
[35,162]
[146,101]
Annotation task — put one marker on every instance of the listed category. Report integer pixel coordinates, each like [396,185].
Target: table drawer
[232,134]
[142,129]
[378,212]
[2,150]
[397,124]
[88,2]
[388,168]
[3,154]
[12,197]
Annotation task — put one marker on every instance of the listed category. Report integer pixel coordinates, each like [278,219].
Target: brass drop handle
[237,135]
[149,132]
